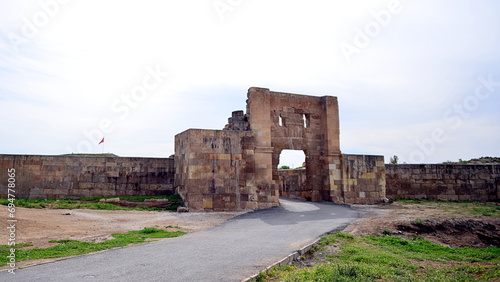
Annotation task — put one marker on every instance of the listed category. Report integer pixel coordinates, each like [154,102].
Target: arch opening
[292,174]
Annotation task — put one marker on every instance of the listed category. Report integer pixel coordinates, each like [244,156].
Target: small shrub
[149,230]
[387,232]
[348,270]
[418,221]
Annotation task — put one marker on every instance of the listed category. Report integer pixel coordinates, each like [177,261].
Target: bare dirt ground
[39,226]
[451,228]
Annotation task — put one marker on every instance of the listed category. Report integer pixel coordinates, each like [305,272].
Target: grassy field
[93,203]
[344,257]
[385,257]
[65,248]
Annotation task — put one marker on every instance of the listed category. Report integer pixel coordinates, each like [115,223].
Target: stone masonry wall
[286,121]
[215,171]
[56,177]
[444,182]
[363,179]
[292,184]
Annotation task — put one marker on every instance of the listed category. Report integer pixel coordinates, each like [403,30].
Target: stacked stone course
[56,177]
[363,180]
[444,182]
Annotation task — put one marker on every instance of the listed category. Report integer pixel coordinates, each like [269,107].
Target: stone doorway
[292,181]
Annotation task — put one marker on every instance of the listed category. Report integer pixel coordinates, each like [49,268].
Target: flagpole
[102,141]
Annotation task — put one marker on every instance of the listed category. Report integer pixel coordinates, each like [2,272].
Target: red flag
[102,141]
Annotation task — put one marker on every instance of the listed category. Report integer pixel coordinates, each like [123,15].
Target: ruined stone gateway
[237,168]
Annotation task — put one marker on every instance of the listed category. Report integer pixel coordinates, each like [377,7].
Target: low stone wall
[363,180]
[56,177]
[292,184]
[444,182]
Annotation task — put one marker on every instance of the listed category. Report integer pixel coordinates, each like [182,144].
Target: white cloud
[64,80]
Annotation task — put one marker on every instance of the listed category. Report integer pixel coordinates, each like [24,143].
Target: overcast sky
[416,79]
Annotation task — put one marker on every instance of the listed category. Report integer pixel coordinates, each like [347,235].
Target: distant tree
[284,167]
[394,159]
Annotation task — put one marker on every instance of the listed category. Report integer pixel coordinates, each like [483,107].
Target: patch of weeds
[5,249]
[387,232]
[172,198]
[172,207]
[411,201]
[29,203]
[418,221]
[68,247]
[330,240]
[275,272]
[149,230]
[421,249]
[391,258]
[93,203]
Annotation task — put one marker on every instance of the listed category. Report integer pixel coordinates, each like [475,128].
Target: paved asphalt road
[231,251]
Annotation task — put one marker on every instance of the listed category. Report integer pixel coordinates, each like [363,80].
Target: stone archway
[293,182]
[300,122]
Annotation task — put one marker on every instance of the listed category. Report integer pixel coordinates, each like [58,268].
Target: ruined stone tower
[236,168]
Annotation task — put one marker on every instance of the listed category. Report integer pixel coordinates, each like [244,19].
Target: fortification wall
[443,182]
[56,177]
[363,180]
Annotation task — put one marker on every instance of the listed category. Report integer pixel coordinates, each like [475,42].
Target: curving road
[231,251]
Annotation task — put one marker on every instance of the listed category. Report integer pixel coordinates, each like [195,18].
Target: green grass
[93,203]
[66,247]
[172,198]
[467,208]
[390,258]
